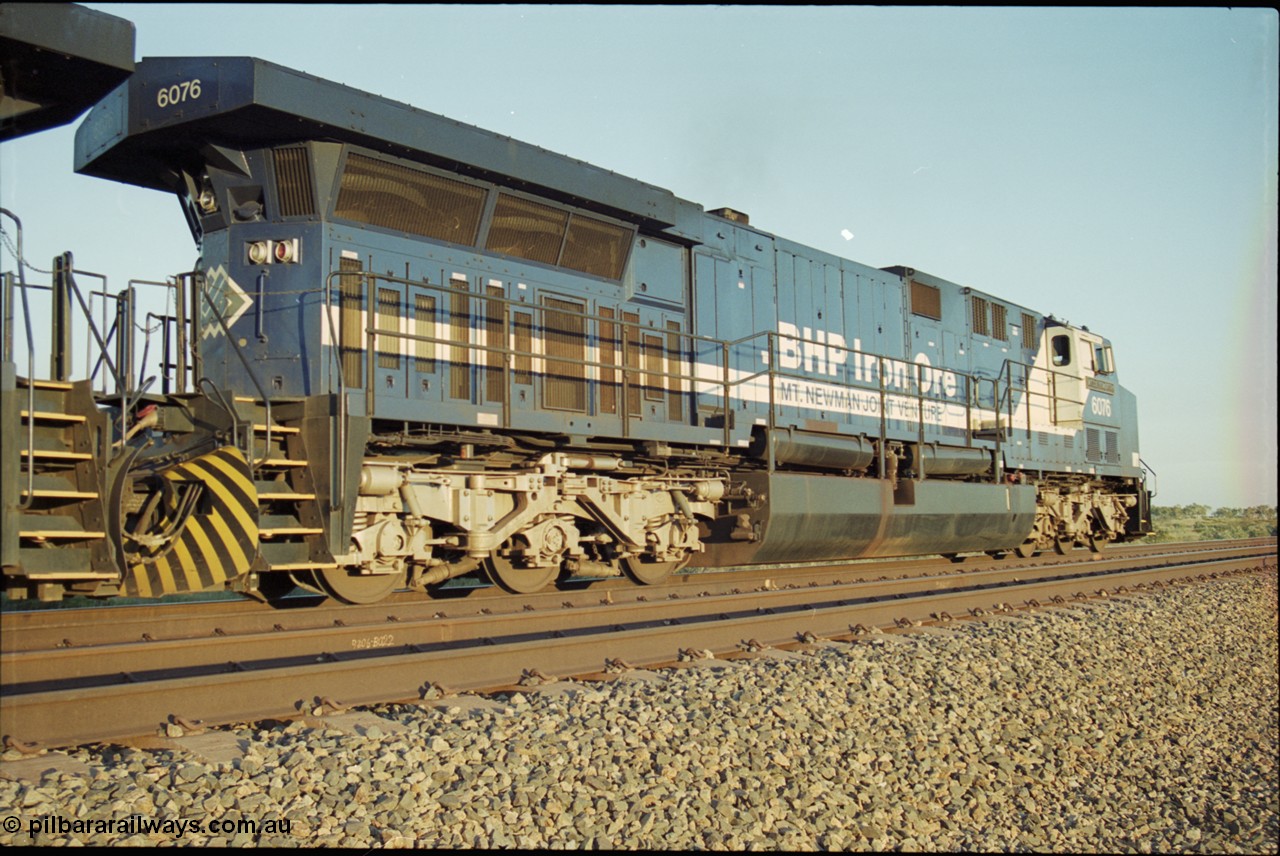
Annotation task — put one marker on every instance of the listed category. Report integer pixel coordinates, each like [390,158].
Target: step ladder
[55,526]
[291,521]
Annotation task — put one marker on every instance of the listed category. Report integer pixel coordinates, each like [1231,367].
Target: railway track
[77,676]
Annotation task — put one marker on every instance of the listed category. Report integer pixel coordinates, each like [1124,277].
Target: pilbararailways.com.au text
[137,824]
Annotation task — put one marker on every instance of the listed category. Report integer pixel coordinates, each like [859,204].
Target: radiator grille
[293,182]
[596,247]
[1113,447]
[527,230]
[409,200]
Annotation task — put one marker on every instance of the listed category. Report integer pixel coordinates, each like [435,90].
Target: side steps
[54,519]
[290,522]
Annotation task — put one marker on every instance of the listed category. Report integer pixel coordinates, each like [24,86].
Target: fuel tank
[806,517]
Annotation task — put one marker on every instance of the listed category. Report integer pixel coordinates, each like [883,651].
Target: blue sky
[1114,167]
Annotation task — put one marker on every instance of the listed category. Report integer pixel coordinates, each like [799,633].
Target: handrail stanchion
[995,464]
[370,342]
[770,341]
[60,360]
[124,337]
[920,419]
[29,496]
[180,334]
[884,421]
[508,392]
[626,377]
[724,359]
[337,492]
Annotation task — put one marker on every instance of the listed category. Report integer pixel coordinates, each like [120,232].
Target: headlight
[286,251]
[272,252]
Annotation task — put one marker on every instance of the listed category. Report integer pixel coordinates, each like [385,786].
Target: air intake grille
[675,408]
[460,336]
[388,347]
[926,300]
[565,385]
[424,324]
[981,325]
[293,182]
[608,358]
[1093,453]
[351,289]
[999,328]
[522,364]
[1028,331]
[1113,447]
[495,384]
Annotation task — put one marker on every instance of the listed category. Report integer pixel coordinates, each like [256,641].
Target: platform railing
[628,341]
[1036,384]
[912,381]
[64,299]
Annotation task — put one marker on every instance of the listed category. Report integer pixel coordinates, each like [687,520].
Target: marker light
[207,201]
[258,253]
[284,251]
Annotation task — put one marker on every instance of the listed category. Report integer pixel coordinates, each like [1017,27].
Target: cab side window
[1102,361]
[1061,347]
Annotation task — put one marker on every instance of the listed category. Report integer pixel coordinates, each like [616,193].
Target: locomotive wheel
[519,580]
[1025,551]
[1063,546]
[651,573]
[1096,543]
[357,588]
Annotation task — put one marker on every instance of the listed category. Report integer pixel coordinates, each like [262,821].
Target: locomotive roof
[140,135]
[56,60]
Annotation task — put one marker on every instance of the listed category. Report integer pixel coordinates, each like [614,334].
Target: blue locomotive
[412,350]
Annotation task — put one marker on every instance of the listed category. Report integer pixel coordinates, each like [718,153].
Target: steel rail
[83,714]
[99,625]
[264,645]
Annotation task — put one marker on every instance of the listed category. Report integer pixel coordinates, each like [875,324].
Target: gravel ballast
[1142,724]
